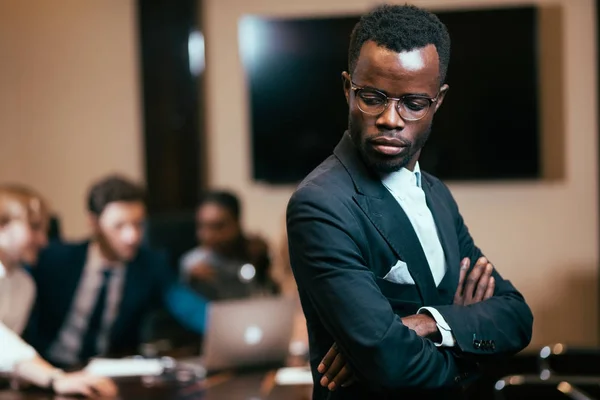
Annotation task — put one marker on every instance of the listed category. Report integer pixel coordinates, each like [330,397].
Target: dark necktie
[89,344]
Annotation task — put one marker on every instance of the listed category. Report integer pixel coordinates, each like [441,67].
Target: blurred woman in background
[23,233]
[227,264]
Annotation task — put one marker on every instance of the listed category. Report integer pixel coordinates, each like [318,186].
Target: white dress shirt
[17,293]
[405,186]
[13,350]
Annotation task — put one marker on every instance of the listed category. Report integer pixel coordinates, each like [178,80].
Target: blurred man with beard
[93,296]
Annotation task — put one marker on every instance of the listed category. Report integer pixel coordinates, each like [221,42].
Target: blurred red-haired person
[23,233]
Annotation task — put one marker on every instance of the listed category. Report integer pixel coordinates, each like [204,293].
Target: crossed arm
[331,272]
[383,349]
[479,286]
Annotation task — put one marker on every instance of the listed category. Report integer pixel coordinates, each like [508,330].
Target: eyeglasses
[411,107]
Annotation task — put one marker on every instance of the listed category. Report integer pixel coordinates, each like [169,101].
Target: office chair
[173,232]
[54,229]
[564,373]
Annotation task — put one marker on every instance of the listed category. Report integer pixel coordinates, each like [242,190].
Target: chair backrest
[548,387]
[531,391]
[565,360]
[54,229]
[172,232]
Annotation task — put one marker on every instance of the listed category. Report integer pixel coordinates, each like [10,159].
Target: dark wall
[598,102]
[172,105]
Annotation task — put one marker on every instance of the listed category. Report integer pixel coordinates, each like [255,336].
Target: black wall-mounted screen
[487,128]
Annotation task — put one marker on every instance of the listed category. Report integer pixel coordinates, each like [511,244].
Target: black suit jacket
[345,231]
[149,284]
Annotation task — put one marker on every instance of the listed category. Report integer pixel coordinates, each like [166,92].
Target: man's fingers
[85,390]
[490,289]
[483,283]
[334,369]
[473,279]
[341,379]
[328,359]
[464,267]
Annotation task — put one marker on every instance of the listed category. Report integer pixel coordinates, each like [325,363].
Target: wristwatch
[54,375]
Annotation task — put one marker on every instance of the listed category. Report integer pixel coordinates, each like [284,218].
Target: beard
[381,163]
[106,248]
[110,252]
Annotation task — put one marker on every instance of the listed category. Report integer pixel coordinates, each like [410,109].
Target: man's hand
[336,371]
[480,283]
[424,325]
[82,383]
[202,271]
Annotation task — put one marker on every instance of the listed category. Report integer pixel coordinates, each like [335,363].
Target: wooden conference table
[255,385]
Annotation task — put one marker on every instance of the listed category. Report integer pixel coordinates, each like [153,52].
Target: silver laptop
[247,333]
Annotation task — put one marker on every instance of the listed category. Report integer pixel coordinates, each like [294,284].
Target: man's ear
[347,83]
[442,94]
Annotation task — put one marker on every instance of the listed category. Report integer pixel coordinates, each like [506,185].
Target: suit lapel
[70,278]
[134,283]
[445,227]
[396,229]
[389,219]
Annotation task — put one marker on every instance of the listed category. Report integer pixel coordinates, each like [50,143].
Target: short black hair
[112,189]
[400,28]
[226,199]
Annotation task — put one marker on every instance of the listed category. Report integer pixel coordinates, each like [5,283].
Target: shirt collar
[402,179]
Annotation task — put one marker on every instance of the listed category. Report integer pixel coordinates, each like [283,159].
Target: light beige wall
[543,236]
[69,98]
[70,112]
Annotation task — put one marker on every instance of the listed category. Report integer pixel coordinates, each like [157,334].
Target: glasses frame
[399,101]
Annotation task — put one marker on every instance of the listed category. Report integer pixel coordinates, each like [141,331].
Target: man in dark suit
[378,247]
[93,296]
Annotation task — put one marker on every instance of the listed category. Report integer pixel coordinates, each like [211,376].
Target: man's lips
[388,146]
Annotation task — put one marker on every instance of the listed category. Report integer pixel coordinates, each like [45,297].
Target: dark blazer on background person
[345,232]
[149,284]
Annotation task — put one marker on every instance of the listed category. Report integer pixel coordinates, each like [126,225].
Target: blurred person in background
[24,223]
[227,264]
[94,296]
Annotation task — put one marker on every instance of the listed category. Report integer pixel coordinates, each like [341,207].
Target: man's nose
[390,118]
[131,235]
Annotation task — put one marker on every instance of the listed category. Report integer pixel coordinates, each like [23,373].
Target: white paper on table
[114,368]
[294,376]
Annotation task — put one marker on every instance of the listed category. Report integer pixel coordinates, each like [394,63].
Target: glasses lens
[371,102]
[413,108]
